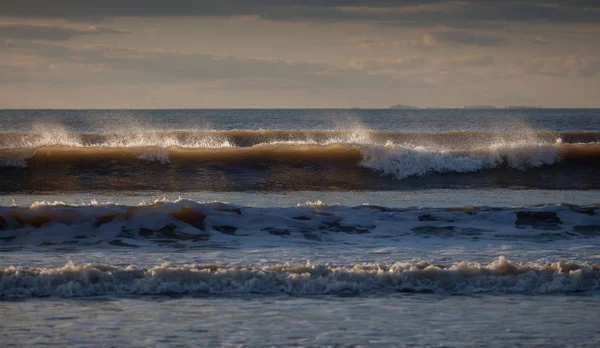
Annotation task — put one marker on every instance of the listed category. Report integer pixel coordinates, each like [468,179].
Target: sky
[298,53]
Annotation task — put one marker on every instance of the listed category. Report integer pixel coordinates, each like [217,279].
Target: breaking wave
[456,140]
[403,162]
[290,160]
[500,276]
[185,224]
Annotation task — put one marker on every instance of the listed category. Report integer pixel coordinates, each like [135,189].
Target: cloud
[579,66]
[50,33]
[178,8]
[392,12]
[462,37]
[375,42]
[470,62]
[430,40]
[382,65]
[130,66]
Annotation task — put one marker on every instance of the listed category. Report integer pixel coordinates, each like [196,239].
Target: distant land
[523,107]
[470,107]
[401,106]
[480,107]
[488,107]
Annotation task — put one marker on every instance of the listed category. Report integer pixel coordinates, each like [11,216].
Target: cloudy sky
[298,53]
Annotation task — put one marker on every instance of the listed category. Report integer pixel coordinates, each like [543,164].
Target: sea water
[299,227]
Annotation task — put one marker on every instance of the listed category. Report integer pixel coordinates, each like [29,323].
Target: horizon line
[317,108]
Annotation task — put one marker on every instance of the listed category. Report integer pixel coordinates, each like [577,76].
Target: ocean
[300,227]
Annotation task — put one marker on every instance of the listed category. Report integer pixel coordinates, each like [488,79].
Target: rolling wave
[188,224]
[500,276]
[296,160]
[298,167]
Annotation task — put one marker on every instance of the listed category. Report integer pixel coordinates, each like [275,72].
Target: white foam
[156,139]
[190,224]
[53,135]
[50,135]
[402,162]
[500,276]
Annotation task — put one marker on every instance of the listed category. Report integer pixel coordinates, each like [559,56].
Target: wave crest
[188,224]
[46,136]
[403,162]
[500,276]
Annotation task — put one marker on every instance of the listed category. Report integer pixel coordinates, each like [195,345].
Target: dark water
[435,120]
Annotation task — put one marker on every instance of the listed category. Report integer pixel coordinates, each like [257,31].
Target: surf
[501,276]
[186,224]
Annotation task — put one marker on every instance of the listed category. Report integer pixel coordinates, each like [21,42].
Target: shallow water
[394,320]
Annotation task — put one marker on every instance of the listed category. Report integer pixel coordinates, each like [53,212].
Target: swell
[500,276]
[519,156]
[300,167]
[187,224]
[270,160]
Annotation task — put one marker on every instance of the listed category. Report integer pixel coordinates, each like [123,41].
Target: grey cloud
[131,66]
[156,8]
[463,38]
[50,33]
[437,38]
[368,42]
[470,62]
[400,64]
[581,66]
[524,11]
[393,12]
